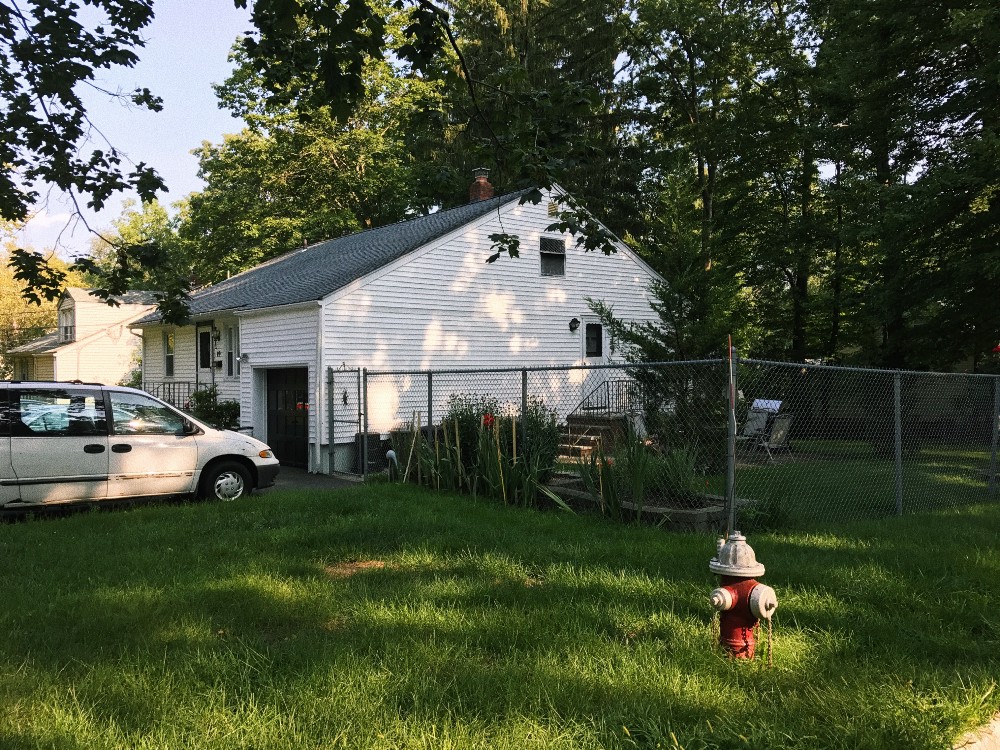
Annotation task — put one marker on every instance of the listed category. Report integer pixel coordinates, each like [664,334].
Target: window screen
[168,353]
[553,256]
[232,336]
[595,339]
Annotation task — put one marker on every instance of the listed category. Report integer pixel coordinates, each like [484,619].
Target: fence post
[331,399]
[731,448]
[357,382]
[430,407]
[364,426]
[996,436]
[898,398]
[524,412]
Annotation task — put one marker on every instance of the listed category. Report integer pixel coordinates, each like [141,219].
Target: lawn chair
[777,438]
[764,431]
[754,427]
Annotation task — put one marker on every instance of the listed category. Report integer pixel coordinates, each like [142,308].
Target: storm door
[288,415]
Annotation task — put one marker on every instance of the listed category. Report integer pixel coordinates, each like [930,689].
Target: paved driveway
[291,477]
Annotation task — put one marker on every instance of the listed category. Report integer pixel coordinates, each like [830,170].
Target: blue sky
[186,50]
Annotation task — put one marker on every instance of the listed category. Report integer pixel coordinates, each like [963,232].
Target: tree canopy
[819,177]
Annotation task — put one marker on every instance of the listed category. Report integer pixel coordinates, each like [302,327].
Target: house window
[232,338]
[595,339]
[552,251]
[205,349]
[168,353]
[67,330]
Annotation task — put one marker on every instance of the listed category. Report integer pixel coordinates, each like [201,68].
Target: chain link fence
[814,445]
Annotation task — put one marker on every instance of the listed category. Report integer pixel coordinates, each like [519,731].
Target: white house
[414,295]
[93,342]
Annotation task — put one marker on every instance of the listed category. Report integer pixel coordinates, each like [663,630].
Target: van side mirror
[188,428]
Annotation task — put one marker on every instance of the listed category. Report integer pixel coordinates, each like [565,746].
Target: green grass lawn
[838,480]
[388,617]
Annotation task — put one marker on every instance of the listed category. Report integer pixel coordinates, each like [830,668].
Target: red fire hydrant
[741,600]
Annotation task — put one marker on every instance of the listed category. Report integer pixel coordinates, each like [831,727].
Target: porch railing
[614,396]
[175,393]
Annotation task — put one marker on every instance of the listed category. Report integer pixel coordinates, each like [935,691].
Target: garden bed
[696,512]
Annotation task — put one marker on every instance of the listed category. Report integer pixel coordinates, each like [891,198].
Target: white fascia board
[268,310]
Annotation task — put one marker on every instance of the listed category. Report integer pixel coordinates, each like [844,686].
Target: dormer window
[67,326]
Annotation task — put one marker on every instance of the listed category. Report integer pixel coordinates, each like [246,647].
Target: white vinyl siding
[444,307]
[99,344]
[271,340]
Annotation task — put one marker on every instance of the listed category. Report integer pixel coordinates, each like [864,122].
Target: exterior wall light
[574,324]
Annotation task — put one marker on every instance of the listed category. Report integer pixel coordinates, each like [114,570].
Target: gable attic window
[552,251]
[67,329]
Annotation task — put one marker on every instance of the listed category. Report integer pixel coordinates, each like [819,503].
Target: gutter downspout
[318,397]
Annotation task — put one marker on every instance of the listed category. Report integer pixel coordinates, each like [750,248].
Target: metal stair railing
[614,396]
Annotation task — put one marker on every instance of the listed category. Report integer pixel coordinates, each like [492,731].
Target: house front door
[288,415]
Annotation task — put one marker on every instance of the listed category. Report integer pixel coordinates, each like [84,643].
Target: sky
[186,51]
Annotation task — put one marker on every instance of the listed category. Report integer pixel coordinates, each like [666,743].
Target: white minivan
[82,443]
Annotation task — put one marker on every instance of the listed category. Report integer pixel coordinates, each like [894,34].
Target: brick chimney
[480,189]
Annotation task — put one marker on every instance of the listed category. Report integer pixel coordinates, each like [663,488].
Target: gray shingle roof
[129,298]
[47,343]
[314,272]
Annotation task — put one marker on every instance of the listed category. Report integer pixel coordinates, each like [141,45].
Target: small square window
[552,252]
[595,339]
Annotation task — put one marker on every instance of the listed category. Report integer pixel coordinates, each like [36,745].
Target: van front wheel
[226,481]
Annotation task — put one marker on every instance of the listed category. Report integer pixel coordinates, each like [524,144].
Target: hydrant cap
[736,558]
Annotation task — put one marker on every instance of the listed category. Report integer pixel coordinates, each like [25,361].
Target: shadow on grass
[484,613]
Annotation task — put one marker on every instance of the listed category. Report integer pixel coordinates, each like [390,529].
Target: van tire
[227,481]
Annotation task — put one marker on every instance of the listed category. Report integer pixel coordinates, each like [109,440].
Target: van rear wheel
[226,481]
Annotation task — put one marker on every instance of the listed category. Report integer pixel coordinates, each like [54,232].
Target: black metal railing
[613,396]
[176,393]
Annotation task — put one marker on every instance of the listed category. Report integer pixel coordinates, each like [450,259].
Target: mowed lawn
[390,617]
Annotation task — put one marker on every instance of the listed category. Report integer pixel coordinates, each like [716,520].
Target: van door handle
[93,448]
[121,448]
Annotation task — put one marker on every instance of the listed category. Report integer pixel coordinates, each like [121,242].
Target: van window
[135,414]
[51,412]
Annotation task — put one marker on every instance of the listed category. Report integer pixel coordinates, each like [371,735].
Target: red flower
[996,348]
[487,420]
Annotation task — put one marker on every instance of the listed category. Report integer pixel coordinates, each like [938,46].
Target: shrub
[206,406]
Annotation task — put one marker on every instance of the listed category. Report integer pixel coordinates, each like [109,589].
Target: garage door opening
[288,415]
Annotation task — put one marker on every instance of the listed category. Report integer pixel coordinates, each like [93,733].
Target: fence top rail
[675,363]
[868,370]
[549,368]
